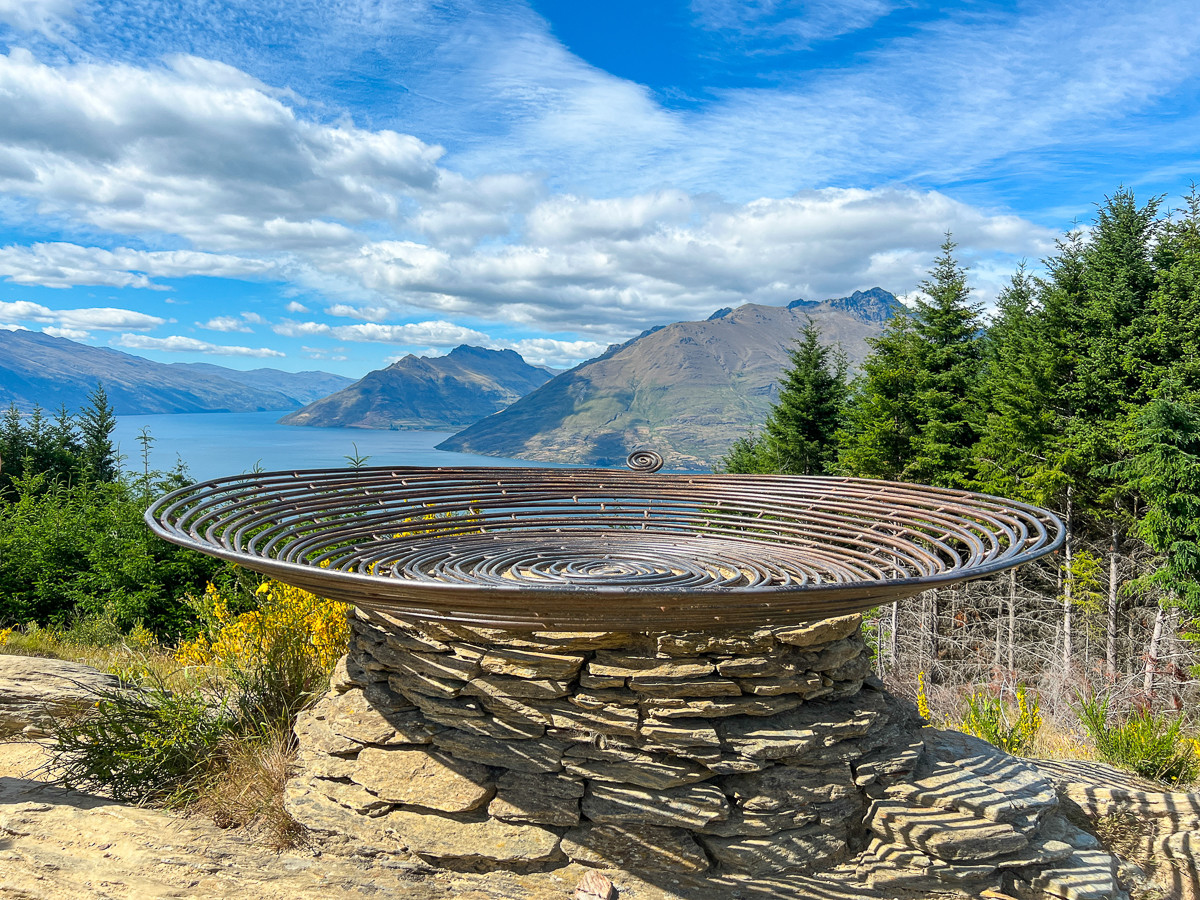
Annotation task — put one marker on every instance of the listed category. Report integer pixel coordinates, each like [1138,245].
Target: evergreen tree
[1164,468]
[96,424]
[881,417]
[1012,394]
[914,417]
[800,437]
[747,456]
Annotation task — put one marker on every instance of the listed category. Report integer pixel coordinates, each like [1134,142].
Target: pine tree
[800,437]
[881,416]
[1163,466]
[96,424]
[747,456]
[1012,393]
[914,417]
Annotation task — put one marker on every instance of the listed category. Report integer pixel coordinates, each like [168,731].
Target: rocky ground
[935,832]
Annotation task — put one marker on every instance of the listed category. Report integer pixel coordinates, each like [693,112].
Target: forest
[1080,393]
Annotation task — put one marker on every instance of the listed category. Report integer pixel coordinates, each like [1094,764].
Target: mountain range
[438,393]
[37,369]
[686,390]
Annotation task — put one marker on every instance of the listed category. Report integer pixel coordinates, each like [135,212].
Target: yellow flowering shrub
[987,718]
[923,697]
[287,619]
[4,634]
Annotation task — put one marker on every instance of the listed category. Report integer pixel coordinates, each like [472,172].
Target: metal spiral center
[644,461]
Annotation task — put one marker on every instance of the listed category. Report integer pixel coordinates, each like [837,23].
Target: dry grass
[243,788]
[131,657]
[243,782]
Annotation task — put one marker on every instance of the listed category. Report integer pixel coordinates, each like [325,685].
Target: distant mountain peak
[687,390]
[720,314]
[449,391]
[873,305]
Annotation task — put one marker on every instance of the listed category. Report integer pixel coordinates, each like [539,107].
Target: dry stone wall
[752,752]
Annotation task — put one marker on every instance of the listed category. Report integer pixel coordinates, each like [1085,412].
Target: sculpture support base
[756,752]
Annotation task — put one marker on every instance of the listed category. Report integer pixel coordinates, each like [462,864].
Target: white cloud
[613,268]
[294,307]
[557,354]
[73,334]
[225,323]
[179,344]
[102,318]
[198,149]
[46,16]
[788,24]
[10,326]
[367,313]
[61,265]
[240,323]
[438,334]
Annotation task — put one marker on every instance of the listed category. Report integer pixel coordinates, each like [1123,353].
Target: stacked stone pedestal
[753,752]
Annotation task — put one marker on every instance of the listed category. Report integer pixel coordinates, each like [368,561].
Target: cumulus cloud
[225,323]
[62,264]
[180,344]
[557,354]
[437,334]
[615,267]
[100,318]
[73,334]
[294,307]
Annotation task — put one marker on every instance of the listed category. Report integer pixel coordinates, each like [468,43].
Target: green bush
[987,718]
[1148,744]
[138,744]
[80,550]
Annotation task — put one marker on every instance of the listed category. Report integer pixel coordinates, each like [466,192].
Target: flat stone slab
[541,799]
[635,848]
[797,850]
[483,840]
[422,778]
[946,834]
[692,806]
[1087,875]
[36,692]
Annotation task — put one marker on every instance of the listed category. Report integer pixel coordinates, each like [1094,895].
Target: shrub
[216,733]
[277,656]
[139,744]
[1147,744]
[988,718]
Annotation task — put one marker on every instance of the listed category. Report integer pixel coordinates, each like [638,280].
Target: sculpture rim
[783,550]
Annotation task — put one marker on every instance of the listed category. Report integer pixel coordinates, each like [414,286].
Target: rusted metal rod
[600,549]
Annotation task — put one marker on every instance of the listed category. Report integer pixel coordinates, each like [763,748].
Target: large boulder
[36,692]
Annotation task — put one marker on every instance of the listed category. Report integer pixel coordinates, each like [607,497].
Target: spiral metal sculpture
[584,549]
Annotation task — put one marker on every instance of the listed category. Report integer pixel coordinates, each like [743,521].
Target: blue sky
[336,183]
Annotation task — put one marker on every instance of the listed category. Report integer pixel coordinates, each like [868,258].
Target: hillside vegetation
[1082,395]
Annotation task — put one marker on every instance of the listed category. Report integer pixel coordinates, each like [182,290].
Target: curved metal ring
[595,549]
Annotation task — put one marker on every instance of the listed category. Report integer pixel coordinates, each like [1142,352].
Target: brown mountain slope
[686,390]
[443,392]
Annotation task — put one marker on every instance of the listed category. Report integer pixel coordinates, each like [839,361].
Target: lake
[215,444]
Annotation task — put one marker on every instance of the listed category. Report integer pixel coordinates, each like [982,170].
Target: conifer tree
[801,432]
[914,417]
[96,424]
[800,437]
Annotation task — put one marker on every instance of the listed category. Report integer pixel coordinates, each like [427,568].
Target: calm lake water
[215,444]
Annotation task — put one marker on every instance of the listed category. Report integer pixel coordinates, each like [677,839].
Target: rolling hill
[37,369]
